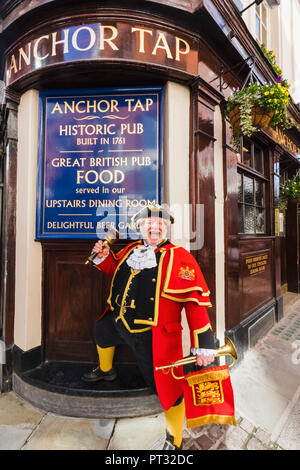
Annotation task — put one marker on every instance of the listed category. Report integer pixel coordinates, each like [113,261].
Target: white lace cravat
[142,257]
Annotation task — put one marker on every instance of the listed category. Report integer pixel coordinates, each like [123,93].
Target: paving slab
[257,402]
[289,438]
[142,433]
[234,439]
[15,411]
[65,433]
[255,444]
[18,420]
[13,437]
[268,377]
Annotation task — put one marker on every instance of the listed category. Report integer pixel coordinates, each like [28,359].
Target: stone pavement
[267,397]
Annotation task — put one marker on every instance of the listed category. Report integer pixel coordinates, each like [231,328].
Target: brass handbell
[228,349]
[112,235]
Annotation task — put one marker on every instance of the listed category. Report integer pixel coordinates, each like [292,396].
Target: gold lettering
[164,45]
[63,41]
[257,263]
[129,100]
[92,106]
[108,40]
[24,56]
[141,35]
[92,38]
[36,45]
[13,64]
[106,106]
[85,37]
[114,106]
[69,107]
[149,102]
[180,51]
[57,108]
[78,110]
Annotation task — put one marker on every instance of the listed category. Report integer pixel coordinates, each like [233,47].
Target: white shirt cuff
[97,260]
[205,352]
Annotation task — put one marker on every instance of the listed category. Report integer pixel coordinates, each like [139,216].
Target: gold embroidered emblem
[186,273]
[208,393]
[207,387]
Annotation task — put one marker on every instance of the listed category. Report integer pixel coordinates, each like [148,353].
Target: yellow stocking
[106,356]
[175,420]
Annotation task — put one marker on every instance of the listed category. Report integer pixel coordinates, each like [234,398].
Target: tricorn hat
[153,210]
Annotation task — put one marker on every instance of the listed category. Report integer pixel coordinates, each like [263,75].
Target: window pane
[257,28]
[259,193]
[276,190]
[241,218]
[246,149]
[260,220]
[249,223]
[258,159]
[248,190]
[240,188]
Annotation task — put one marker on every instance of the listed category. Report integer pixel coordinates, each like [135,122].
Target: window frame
[262,25]
[250,172]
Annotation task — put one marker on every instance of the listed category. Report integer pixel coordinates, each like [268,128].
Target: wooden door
[74,297]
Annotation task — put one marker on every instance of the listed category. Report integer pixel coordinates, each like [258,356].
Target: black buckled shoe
[169,443]
[97,374]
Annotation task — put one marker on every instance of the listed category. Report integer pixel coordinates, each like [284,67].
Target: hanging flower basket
[255,107]
[260,117]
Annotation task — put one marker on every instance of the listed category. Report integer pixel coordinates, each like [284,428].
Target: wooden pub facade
[191,54]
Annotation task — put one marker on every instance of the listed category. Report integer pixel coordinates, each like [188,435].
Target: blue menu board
[99,162]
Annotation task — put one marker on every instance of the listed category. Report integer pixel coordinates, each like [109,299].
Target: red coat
[180,283]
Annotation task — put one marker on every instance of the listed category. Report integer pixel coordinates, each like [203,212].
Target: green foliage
[269,96]
[271,57]
[290,190]
[272,97]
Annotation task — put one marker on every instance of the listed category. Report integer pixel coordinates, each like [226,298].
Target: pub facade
[108,106]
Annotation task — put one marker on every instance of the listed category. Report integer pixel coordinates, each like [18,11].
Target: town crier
[152,280]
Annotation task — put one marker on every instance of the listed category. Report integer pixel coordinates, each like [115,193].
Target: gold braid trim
[168,276]
[201,421]
[186,299]
[213,375]
[196,334]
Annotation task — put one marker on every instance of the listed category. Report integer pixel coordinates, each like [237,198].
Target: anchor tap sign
[100,160]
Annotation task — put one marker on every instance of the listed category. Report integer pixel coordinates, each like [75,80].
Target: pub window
[284,176]
[251,189]
[277,178]
[261,23]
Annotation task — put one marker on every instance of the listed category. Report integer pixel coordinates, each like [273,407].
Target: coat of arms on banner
[208,397]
